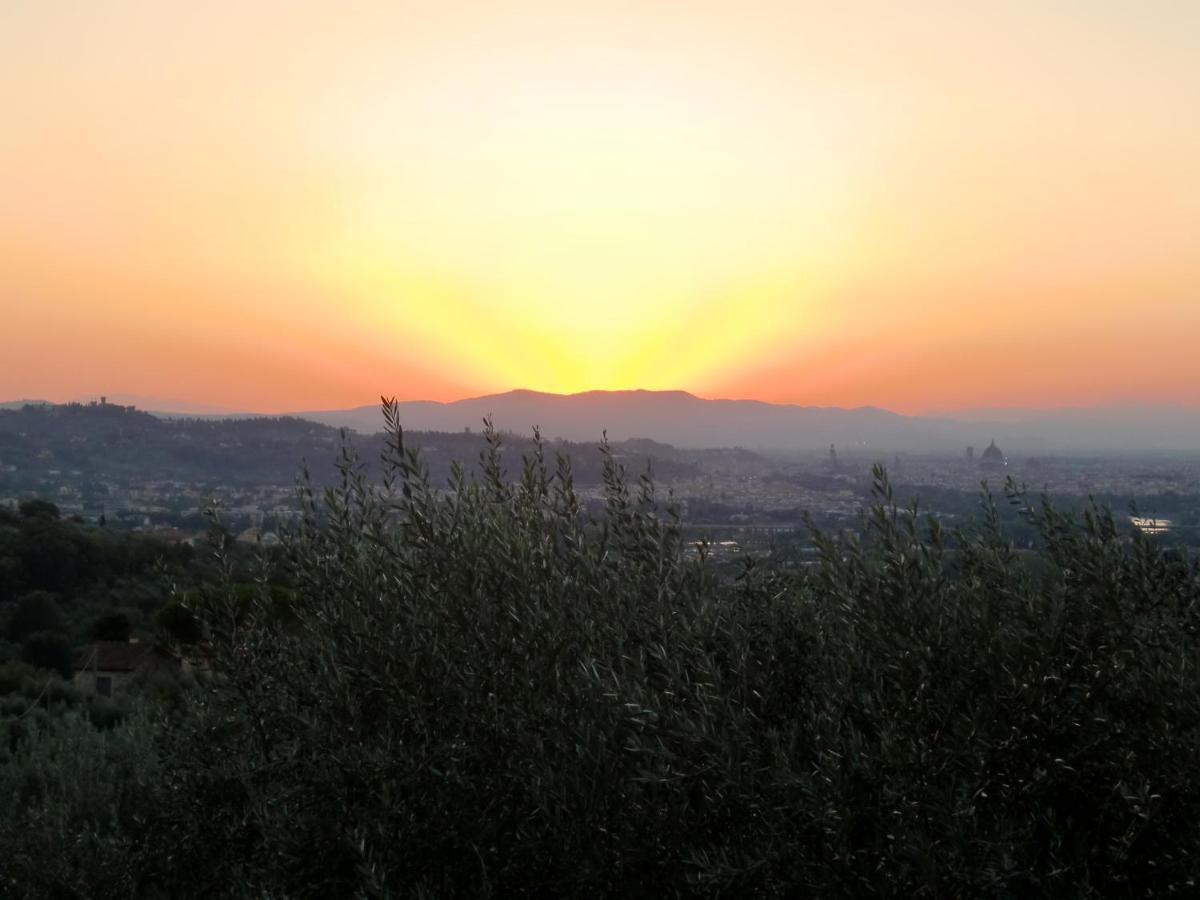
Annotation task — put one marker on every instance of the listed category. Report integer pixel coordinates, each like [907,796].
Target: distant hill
[684,420]
[673,417]
[112,441]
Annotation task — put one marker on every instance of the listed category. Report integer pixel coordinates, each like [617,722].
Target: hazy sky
[296,205]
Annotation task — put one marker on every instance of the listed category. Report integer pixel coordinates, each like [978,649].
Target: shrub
[48,650]
[14,675]
[484,691]
[36,611]
[114,626]
[178,625]
[31,509]
[72,798]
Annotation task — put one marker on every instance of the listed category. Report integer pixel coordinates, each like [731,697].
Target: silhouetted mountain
[110,440]
[684,420]
[113,441]
[673,417]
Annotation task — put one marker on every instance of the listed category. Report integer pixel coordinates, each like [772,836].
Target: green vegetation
[65,583]
[80,581]
[492,691]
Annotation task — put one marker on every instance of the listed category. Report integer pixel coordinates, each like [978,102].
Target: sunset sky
[284,206]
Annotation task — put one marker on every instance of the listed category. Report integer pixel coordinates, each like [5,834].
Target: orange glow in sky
[282,206]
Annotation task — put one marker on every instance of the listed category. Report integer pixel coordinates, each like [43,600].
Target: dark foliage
[85,581]
[178,625]
[112,627]
[47,650]
[43,509]
[488,691]
[35,611]
[485,692]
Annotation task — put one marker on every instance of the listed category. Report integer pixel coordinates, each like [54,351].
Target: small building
[104,666]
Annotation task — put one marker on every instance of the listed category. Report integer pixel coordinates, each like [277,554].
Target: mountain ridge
[683,419]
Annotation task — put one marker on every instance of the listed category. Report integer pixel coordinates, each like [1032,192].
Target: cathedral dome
[993,455]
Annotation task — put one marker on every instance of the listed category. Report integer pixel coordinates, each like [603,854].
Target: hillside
[94,441]
[673,417]
[684,420]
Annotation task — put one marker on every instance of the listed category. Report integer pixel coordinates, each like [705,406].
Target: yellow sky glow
[280,206]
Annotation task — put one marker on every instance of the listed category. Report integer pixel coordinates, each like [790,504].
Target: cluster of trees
[64,582]
[492,692]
